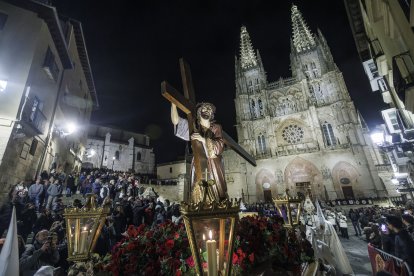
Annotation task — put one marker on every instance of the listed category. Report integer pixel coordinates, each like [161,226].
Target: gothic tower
[250,86]
[304,130]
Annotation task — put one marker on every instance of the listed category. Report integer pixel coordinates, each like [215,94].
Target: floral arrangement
[165,250]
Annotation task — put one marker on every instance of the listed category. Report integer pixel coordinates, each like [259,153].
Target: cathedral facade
[304,131]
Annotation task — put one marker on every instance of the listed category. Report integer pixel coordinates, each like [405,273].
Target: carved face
[206,111]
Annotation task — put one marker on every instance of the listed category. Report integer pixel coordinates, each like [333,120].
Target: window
[293,134]
[3,19]
[25,150]
[170,169]
[393,120]
[260,107]
[117,155]
[328,134]
[253,108]
[33,147]
[138,156]
[50,66]
[262,143]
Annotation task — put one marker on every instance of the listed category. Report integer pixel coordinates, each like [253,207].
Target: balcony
[33,119]
[296,149]
[384,168]
[403,73]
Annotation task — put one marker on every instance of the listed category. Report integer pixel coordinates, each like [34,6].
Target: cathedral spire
[302,37]
[247,56]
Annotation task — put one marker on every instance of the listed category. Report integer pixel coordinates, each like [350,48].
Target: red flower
[178,272]
[190,261]
[235,258]
[169,244]
[176,236]
[251,258]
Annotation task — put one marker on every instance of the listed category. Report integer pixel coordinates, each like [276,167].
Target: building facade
[384,37]
[118,150]
[47,91]
[304,131]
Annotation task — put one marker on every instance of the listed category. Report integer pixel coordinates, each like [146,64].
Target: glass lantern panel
[294,209]
[87,229]
[213,234]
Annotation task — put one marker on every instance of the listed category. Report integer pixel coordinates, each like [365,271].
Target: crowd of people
[39,211]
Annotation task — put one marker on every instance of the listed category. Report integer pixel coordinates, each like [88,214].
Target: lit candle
[83,237]
[211,256]
[204,237]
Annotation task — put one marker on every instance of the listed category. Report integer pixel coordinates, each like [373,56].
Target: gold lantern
[210,227]
[83,227]
[290,209]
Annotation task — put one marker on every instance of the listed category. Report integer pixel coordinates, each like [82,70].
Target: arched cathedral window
[262,143]
[328,134]
[253,108]
[138,156]
[260,107]
[117,155]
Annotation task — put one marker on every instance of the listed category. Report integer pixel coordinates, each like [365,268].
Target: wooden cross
[187,104]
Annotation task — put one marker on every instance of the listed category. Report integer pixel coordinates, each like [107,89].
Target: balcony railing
[384,167]
[403,73]
[281,83]
[263,154]
[34,118]
[375,48]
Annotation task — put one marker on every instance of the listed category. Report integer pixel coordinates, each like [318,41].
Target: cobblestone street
[357,252]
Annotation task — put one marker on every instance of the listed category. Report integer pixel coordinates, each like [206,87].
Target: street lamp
[113,161]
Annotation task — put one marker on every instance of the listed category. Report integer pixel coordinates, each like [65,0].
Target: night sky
[134,45]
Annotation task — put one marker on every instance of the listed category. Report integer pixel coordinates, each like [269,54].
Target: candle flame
[84,228]
[210,234]
[204,237]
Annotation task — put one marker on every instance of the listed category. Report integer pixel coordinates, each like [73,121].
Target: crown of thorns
[208,106]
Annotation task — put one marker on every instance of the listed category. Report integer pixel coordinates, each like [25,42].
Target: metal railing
[386,257]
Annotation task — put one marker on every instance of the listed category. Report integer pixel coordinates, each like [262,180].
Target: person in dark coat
[139,212]
[404,245]
[28,219]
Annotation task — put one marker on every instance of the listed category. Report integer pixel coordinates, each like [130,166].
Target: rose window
[293,134]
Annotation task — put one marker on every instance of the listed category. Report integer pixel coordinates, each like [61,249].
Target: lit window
[328,134]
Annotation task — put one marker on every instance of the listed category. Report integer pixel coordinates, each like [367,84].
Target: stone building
[47,90]
[304,131]
[384,38]
[118,150]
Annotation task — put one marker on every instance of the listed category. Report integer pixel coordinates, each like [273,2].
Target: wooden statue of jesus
[207,138]
[209,135]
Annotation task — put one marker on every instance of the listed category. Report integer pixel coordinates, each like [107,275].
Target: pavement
[357,252]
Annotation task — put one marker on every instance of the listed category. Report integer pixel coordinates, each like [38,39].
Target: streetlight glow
[377,138]
[71,128]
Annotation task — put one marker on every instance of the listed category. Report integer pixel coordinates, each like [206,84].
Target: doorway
[267,195]
[348,192]
[302,188]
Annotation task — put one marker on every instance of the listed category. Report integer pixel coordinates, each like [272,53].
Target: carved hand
[198,137]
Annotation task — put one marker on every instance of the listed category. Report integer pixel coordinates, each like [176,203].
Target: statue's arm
[174,114]
[215,145]
[180,124]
